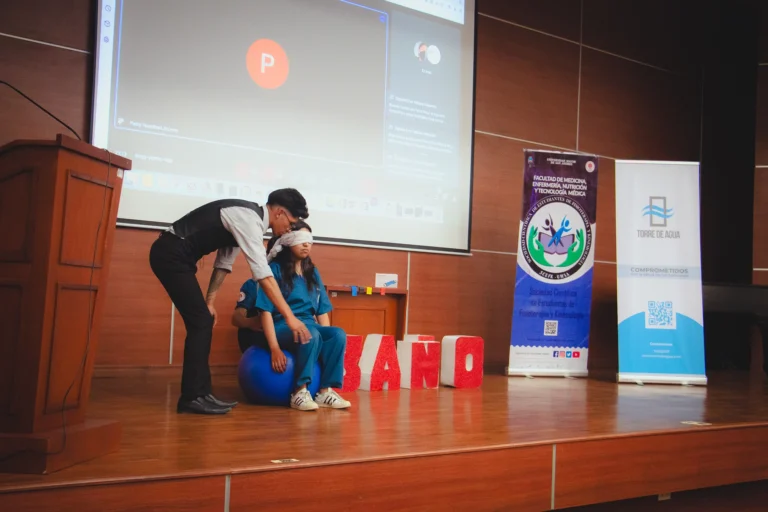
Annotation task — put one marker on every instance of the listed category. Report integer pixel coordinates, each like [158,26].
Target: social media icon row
[568,354]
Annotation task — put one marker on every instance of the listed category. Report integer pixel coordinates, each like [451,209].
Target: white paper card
[386,280]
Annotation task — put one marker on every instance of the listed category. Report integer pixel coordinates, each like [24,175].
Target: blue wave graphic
[658,211]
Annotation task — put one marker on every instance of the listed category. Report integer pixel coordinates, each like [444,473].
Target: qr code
[660,315]
[550,327]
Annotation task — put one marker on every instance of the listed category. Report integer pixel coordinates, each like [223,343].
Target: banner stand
[654,378]
[658,269]
[555,256]
[543,372]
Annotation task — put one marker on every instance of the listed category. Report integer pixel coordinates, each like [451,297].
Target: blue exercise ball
[262,385]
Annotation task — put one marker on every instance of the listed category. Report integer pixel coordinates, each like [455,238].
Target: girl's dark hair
[287,263]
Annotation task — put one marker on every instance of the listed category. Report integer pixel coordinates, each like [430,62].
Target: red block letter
[419,362]
[378,365]
[352,355]
[462,360]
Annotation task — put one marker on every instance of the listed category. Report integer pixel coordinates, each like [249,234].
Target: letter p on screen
[267,61]
[267,64]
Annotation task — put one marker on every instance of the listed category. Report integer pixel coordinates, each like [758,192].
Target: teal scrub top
[305,304]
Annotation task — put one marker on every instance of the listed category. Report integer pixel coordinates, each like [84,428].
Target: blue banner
[556,252]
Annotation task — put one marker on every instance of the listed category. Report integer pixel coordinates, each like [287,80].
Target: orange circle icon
[267,64]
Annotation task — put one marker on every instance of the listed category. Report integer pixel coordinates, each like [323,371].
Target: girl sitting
[304,292]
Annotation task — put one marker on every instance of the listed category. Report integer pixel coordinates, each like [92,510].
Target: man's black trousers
[175,265]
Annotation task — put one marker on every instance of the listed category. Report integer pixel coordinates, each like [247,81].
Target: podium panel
[58,211]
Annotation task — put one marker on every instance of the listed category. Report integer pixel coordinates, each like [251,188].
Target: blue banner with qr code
[658,270]
[556,251]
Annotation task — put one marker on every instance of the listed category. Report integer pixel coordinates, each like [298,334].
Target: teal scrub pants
[326,346]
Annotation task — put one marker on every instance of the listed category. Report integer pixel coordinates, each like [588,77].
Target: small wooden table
[369,314]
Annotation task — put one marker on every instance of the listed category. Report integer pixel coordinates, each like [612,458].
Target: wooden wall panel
[527,84]
[465,295]
[605,237]
[651,465]
[763,49]
[637,112]
[761,128]
[496,196]
[557,17]
[603,333]
[358,266]
[759,240]
[760,244]
[657,32]
[67,23]
[190,495]
[60,80]
[137,312]
[514,479]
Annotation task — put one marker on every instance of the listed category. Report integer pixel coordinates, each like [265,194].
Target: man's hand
[279,361]
[213,313]
[300,331]
[217,277]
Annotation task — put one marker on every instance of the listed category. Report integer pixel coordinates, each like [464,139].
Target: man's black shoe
[219,403]
[200,406]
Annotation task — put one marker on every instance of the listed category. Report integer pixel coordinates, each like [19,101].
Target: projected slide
[364,106]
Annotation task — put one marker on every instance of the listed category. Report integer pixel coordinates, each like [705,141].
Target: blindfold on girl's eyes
[296,238]
[289,240]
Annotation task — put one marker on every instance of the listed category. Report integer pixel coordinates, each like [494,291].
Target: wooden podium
[58,210]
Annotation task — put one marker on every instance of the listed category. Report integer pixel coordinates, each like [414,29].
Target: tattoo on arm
[217,277]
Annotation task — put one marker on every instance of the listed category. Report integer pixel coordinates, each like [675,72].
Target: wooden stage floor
[523,444]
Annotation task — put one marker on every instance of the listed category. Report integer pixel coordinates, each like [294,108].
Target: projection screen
[364,106]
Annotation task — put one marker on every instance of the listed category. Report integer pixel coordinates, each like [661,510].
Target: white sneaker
[332,399]
[302,401]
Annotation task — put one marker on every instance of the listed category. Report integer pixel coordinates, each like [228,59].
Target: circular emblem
[590,166]
[242,297]
[267,64]
[556,237]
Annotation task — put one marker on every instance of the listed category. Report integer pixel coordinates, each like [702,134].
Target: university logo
[556,237]
[657,211]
